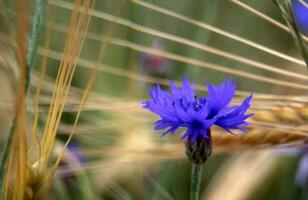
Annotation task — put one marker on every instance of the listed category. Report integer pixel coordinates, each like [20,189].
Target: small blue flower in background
[300,10]
[153,63]
[182,108]
[74,150]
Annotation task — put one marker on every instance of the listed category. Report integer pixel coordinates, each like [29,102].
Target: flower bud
[200,150]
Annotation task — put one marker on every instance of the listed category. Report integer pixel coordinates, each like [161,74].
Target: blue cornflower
[183,108]
[300,10]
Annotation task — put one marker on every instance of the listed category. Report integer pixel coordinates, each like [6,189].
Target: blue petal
[220,96]
[171,130]
[162,124]
[204,134]
[193,132]
[208,123]
[203,112]
[194,137]
[236,110]
[187,133]
[235,118]
[186,91]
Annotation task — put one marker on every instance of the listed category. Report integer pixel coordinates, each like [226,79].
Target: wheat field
[74,74]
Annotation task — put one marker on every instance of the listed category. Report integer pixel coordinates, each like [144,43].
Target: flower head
[182,108]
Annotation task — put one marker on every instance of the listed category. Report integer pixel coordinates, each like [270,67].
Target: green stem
[5,156]
[196,176]
[38,17]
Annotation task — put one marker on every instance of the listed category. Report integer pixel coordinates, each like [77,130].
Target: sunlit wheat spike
[86,92]
[67,68]
[284,127]
[218,31]
[74,43]
[36,143]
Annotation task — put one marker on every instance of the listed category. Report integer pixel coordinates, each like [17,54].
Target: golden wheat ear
[22,175]
[14,158]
